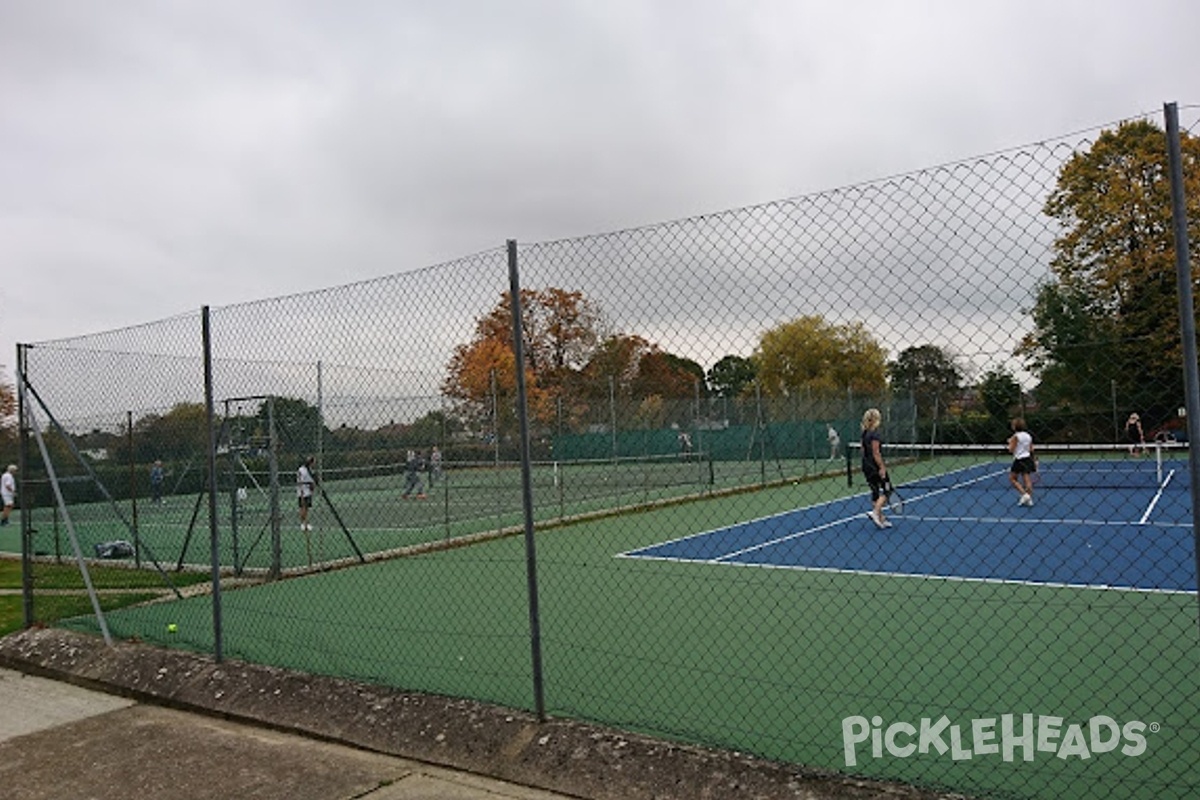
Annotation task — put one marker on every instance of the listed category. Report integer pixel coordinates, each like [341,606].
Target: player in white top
[8,492]
[305,483]
[1020,444]
[835,441]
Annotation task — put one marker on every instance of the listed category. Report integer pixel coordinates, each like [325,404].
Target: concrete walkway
[59,741]
[83,719]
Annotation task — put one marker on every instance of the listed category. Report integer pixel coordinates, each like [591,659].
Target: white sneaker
[871,515]
[887,523]
[1025,500]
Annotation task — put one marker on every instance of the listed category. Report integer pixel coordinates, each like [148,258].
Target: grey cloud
[156,155]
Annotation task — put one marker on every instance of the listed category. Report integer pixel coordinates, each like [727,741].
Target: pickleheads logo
[1009,736]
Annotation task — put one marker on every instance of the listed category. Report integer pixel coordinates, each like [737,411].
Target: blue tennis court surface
[1137,537]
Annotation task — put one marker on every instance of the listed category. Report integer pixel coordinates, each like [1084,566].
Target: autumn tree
[1108,317]
[671,377]
[561,330]
[652,388]
[8,421]
[811,355]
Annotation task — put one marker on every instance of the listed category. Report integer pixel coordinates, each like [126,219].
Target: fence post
[22,467]
[535,625]
[273,473]
[1187,317]
[133,506]
[213,529]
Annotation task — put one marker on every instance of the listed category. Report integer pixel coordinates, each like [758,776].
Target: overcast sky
[160,155]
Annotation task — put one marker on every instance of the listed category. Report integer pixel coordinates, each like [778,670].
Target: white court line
[922,576]
[931,576]
[723,562]
[856,516]
[684,538]
[797,535]
[844,520]
[1157,495]
[1046,520]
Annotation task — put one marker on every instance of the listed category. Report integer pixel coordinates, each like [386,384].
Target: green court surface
[763,660]
[367,513]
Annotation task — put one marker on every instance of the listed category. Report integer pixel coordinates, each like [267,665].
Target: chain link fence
[705,568]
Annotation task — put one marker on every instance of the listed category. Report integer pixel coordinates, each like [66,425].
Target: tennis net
[632,472]
[1068,466]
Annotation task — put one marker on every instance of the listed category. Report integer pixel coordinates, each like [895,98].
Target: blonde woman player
[873,467]
[1020,475]
[1135,434]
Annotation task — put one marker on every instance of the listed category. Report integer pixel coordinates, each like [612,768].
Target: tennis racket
[895,501]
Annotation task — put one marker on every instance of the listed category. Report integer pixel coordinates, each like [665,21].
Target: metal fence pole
[535,625]
[133,506]
[612,415]
[273,472]
[320,476]
[1187,317]
[22,466]
[213,530]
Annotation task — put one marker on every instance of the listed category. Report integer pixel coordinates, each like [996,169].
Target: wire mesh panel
[720,557]
[976,642]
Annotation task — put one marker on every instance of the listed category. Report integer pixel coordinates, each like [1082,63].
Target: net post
[849,465]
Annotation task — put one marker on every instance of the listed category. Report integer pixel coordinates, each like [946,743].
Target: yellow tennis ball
[172,628]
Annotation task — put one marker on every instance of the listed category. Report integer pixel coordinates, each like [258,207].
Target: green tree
[296,424]
[1000,393]
[1109,312]
[810,355]
[930,373]
[181,433]
[731,375]
[433,428]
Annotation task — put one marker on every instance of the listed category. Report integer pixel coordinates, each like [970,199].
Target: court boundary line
[1095,523]
[835,501]
[954,578]
[723,560]
[918,575]
[1157,495]
[751,521]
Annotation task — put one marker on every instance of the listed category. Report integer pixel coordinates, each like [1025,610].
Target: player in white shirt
[8,492]
[305,483]
[1020,444]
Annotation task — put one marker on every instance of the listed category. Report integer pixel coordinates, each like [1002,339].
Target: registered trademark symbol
[1155,727]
